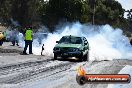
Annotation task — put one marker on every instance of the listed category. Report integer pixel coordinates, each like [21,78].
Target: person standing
[15,37]
[28,40]
[1,38]
[131,41]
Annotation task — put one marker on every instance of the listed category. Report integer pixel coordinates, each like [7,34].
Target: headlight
[56,49]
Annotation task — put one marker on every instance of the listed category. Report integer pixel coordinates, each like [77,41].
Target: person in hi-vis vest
[28,40]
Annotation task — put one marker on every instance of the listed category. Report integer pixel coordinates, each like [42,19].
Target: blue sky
[126,4]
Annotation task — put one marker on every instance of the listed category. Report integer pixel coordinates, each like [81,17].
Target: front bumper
[68,54]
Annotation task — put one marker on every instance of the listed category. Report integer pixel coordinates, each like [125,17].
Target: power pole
[93,22]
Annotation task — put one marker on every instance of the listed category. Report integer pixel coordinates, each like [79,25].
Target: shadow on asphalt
[67,59]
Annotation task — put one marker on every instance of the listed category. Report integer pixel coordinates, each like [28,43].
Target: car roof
[72,36]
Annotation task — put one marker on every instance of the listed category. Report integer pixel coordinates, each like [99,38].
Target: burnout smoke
[105,42]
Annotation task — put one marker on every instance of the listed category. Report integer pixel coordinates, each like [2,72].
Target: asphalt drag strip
[17,73]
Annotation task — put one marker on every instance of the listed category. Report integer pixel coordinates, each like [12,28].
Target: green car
[72,46]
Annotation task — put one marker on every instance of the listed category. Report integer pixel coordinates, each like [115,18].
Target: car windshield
[71,40]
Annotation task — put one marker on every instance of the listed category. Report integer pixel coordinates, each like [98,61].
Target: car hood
[68,45]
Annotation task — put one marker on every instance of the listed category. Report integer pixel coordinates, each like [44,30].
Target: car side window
[85,40]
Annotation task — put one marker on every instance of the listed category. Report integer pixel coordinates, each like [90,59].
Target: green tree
[51,12]
[64,10]
[108,12]
[5,11]
[129,15]
[25,11]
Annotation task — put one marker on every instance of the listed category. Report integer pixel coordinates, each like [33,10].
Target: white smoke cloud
[15,23]
[105,42]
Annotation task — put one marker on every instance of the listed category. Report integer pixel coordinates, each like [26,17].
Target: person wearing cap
[28,40]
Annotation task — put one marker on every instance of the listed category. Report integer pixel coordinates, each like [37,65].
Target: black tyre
[81,80]
[55,56]
[86,57]
[80,58]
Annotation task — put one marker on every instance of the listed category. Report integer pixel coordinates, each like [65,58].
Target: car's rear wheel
[55,56]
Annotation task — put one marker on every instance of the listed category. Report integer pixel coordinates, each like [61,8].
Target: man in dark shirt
[131,41]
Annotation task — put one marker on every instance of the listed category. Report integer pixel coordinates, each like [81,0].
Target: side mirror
[85,43]
[57,41]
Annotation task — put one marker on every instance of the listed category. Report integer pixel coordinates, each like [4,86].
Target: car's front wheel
[55,56]
[80,57]
[86,56]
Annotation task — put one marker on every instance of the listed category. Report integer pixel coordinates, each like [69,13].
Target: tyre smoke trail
[106,43]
